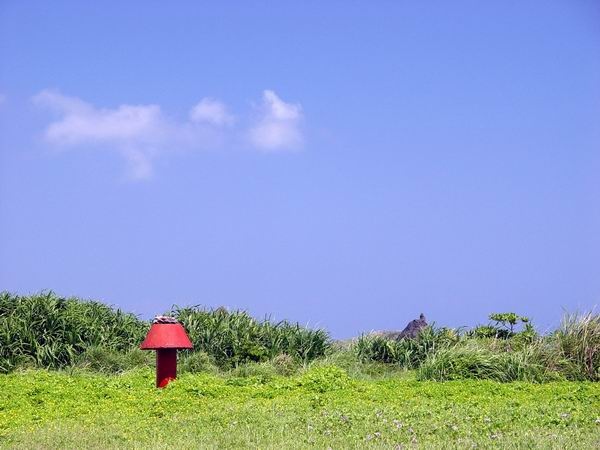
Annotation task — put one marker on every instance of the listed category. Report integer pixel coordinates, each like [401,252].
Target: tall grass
[473,360]
[49,331]
[578,344]
[406,353]
[233,338]
[572,352]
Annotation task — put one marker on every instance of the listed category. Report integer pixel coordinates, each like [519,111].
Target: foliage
[508,321]
[406,353]
[578,342]
[525,337]
[48,331]
[284,364]
[258,372]
[325,378]
[51,331]
[503,326]
[345,357]
[489,332]
[476,361]
[321,408]
[106,360]
[196,362]
[234,338]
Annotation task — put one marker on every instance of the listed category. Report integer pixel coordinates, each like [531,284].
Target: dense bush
[324,379]
[234,338]
[284,364]
[49,331]
[578,344]
[502,326]
[497,352]
[196,362]
[105,360]
[407,353]
[476,361]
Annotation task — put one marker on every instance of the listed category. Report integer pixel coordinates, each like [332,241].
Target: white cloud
[142,133]
[211,111]
[279,126]
[138,132]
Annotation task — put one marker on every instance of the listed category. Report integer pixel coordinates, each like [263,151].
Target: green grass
[49,331]
[231,338]
[259,384]
[319,408]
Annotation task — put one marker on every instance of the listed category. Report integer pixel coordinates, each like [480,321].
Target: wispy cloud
[211,111]
[279,125]
[141,133]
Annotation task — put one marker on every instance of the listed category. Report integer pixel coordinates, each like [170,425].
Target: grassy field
[72,376]
[319,408]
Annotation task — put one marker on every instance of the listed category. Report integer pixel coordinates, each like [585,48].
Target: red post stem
[166,366]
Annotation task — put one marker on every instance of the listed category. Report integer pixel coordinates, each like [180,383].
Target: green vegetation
[233,338]
[322,407]
[474,360]
[578,344]
[52,332]
[48,331]
[406,353]
[74,377]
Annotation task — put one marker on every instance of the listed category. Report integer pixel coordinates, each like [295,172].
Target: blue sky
[343,164]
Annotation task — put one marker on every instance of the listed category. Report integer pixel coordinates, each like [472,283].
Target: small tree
[508,321]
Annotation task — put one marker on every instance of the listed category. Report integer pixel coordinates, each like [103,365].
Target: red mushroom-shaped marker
[166,336]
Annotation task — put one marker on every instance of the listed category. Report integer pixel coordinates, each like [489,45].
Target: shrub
[407,353]
[234,338]
[325,378]
[508,321]
[106,360]
[503,327]
[284,364]
[476,361]
[260,372]
[488,332]
[578,345]
[526,337]
[53,331]
[196,362]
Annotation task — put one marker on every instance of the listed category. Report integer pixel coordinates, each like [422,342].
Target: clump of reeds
[232,338]
[577,344]
[45,330]
[406,353]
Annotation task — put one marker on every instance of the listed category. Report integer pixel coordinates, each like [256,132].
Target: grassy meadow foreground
[322,407]
[72,376]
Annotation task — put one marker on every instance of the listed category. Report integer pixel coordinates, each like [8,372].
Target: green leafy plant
[577,344]
[234,338]
[478,362]
[106,360]
[51,331]
[197,362]
[508,321]
[407,353]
